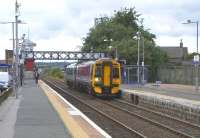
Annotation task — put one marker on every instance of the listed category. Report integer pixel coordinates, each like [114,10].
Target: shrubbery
[56,72]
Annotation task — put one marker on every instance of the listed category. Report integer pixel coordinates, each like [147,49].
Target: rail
[133,132]
[164,127]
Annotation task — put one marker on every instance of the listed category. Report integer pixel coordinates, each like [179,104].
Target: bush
[56,72]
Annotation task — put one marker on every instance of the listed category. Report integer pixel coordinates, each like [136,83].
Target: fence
[129,74]
[177,74]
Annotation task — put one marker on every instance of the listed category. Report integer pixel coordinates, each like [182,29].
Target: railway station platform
[39,112]
[173,90]
[187,92]
[182,100]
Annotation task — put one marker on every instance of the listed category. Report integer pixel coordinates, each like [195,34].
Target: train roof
[71,65]
[105,59]
[86,63]
[80,64]
[114,61]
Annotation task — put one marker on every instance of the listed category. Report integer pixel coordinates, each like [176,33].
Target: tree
[191,56]
[121,29]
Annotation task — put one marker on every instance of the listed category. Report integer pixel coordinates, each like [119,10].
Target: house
[176,54]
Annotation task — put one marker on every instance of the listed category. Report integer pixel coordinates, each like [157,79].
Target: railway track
[175,123]
[112,126]
[135,120]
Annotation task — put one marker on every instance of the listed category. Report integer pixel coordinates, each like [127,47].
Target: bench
[157,84]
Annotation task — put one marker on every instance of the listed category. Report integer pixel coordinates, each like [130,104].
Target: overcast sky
[61,24]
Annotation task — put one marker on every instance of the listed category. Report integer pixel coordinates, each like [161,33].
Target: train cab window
[115,72]
[98,70]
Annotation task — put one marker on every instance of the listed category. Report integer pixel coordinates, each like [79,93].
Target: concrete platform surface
[77,123]
[8,113]
[36,118]
[40,112]
[173,90]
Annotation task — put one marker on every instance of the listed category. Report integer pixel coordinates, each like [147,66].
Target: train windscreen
[98,70]
[115,72]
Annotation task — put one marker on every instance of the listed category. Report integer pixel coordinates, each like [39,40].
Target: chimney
[181,44]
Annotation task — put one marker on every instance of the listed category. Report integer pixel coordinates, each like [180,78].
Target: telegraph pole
[17,46]
[196,57]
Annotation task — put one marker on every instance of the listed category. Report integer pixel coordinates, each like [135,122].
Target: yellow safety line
[75,130]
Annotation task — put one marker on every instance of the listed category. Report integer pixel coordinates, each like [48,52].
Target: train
[100,78]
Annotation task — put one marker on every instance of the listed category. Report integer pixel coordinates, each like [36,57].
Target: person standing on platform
[21,75]
[36,76]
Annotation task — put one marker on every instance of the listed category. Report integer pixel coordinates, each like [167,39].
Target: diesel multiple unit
[101,77]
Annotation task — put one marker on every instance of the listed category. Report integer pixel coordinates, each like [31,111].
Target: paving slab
[36,118]
[8,113]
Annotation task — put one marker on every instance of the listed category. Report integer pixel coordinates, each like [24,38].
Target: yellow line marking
[75,130]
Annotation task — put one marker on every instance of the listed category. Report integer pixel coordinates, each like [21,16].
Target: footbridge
[63,55]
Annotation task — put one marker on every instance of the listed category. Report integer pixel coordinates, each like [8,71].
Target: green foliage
[191,56]
[119,31]
[56,72]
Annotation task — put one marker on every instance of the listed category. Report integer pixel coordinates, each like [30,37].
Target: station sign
[196,59]
[142,63]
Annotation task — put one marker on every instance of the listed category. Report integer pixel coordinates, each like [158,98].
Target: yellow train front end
[106,78]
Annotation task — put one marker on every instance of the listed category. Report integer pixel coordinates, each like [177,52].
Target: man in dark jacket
[37,75]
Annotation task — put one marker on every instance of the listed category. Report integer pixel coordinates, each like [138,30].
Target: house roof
[175,52]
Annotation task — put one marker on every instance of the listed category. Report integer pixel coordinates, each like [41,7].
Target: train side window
[115,72]
[98,71]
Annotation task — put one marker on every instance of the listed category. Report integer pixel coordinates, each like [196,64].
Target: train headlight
[97,79]
[97,82]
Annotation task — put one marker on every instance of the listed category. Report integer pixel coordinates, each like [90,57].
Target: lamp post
[138,60]
[197,25]
[143,60]
[110,47]
[17,43]
[197,56]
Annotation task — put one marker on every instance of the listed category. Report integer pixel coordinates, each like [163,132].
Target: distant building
[176,54]
[8,56]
